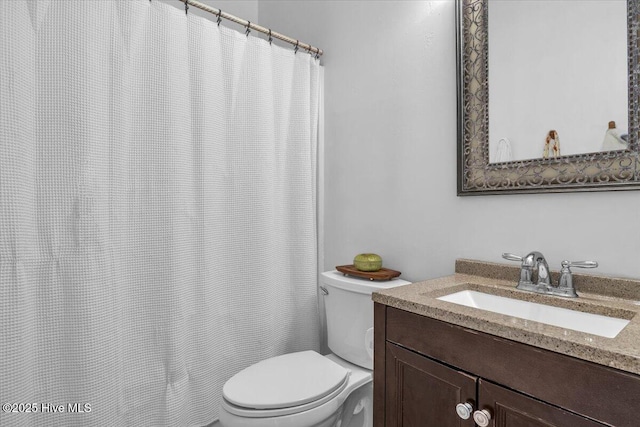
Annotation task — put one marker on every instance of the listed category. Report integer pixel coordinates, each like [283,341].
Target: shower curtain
[157,211]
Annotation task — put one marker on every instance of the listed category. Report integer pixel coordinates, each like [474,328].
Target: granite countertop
[597,294]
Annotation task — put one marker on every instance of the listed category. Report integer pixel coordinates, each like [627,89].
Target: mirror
[539,67]
[561,65]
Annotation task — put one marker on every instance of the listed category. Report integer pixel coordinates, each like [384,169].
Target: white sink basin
[596,324]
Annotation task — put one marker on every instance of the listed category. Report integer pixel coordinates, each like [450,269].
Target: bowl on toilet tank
[349,313]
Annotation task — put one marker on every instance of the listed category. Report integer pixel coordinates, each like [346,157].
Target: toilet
[306,389]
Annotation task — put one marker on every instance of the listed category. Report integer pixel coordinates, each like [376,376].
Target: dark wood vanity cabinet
[419,389]
[423,392]
[424,367]
[512,409]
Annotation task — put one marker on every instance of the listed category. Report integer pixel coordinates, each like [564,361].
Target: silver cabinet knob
[482,418]
[464,410]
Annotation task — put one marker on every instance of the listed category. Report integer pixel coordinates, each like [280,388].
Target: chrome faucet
[535,277]
[534,267]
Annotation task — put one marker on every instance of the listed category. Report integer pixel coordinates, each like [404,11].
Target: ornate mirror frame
[600,171]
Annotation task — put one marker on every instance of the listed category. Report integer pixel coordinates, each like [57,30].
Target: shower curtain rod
[251,26]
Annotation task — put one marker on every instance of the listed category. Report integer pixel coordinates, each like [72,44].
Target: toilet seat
[284,385]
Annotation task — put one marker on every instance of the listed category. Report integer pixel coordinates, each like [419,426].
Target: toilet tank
[349,313]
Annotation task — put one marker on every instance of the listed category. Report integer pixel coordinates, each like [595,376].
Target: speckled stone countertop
[597,294]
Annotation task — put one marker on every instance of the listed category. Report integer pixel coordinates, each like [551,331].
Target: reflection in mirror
[558,78]
[582,107]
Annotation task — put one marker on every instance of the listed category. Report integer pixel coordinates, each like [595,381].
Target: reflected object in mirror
[551,145]
[612,140]
[503,151]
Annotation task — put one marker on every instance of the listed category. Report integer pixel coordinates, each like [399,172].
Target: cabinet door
[423,393]
[511,409]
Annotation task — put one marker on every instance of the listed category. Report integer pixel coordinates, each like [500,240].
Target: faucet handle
[565,285]
[581,264]
[526,269]
[512,257]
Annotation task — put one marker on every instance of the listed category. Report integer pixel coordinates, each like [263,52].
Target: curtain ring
[219,16]
[295,49]
[248,30]
[186,7]
[318,54]
[270,38]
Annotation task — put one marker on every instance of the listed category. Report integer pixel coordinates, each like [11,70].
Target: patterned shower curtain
[157,211]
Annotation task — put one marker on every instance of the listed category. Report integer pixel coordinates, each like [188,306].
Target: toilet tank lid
[355,284]
[285,381]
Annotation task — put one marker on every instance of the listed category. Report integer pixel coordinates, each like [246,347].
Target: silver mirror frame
[601,171]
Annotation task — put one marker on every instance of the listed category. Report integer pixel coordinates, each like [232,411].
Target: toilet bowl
[290,410]
[306,389]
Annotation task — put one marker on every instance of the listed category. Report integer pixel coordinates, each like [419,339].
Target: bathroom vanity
[437,363]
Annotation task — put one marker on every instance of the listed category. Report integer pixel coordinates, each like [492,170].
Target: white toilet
[306,389]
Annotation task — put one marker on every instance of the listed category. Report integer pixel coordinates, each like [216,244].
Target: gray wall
[390,184]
